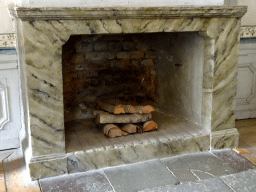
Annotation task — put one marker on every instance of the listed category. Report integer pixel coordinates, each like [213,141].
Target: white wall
[111,3]
[6,22]
[230,2]
[250,16]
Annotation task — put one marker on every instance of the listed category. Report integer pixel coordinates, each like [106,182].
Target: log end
[115,132]
[129,128]
[132,110]
[149,126]
[119,110]
[147,109]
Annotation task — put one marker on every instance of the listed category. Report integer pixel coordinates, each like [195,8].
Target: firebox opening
[164,70]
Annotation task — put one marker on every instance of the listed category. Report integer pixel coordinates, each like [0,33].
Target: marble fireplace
[195,67]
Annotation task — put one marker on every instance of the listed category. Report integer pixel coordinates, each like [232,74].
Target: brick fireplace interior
[160,69]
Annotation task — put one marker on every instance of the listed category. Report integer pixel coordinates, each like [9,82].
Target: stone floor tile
[237,162]
[16,176]
[202,175]
[250,157]
[210,185]
[90,182]
[184,175]
[206,162]
[241,182]
[74,165]
[140,176]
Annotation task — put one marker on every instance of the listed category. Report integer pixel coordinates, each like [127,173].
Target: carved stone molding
[67,13]
[4,113]
[8,40]
[248,32]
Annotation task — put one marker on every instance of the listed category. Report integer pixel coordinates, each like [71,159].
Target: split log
[112,108]
[149,126]
[112,130]
[144,109]
[128,108]
[125,133]
[129,128]
[106,117]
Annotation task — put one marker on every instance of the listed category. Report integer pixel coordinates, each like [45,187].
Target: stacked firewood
[120,120]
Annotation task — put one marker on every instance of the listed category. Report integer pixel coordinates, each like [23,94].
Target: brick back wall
[108,68]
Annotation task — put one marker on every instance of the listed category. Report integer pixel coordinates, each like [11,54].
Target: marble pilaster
[224,139]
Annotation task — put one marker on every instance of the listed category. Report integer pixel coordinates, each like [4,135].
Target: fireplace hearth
[182,60]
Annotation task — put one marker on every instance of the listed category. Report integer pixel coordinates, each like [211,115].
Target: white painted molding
[4,107]
[246,86]
[246,76]
[7,40]
[248,32]
[9,66]
[8,59]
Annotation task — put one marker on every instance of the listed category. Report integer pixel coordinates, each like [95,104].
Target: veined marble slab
[58,13]
[132,153]
[46,30]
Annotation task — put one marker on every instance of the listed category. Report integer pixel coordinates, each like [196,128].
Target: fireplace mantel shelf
[80,13]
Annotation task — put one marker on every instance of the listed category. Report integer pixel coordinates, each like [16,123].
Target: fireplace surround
[41,34]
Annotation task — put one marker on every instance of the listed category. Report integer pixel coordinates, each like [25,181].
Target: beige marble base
[224,139]
[48,166]
[127,154]
[156,146]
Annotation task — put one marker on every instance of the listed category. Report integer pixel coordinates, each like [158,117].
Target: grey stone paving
[202,175]
[184,175]
[205,162]
[210,185]
[201,172]
[140,176]
[241,182]
[90,182]
[238,162]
